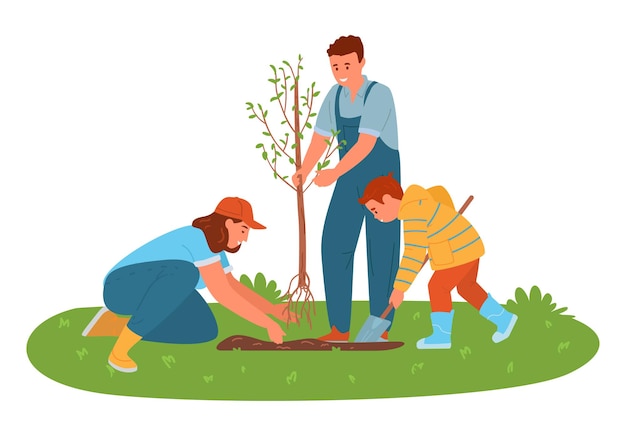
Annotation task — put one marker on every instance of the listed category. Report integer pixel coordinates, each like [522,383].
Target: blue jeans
[162,301]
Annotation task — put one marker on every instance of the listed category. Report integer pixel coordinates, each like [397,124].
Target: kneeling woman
[155,288]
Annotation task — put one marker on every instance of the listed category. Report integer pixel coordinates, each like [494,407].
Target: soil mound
[248,343]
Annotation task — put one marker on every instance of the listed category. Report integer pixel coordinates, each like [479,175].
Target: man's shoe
[335,336]
[105,323]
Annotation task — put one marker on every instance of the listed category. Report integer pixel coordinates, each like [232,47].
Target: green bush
[265,289]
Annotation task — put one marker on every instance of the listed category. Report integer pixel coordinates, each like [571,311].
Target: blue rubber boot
[442,331]
[503,319]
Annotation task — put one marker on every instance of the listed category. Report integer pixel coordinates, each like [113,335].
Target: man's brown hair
[214,228]
[345,45]
[378,187]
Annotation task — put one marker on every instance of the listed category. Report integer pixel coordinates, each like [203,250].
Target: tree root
[300,300]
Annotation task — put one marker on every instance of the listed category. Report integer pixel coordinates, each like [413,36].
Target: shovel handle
[387,310]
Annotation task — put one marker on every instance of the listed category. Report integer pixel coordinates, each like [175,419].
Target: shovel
[375,326]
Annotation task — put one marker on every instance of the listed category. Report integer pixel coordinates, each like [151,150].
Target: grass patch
[545,344]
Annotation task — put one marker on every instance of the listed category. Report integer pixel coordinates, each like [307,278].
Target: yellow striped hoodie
[433,227]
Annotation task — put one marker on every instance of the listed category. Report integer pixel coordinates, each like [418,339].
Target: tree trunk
[302,283]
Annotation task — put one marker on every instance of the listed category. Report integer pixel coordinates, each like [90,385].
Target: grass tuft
[535,305]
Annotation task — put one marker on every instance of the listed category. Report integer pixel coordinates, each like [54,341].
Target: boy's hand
[396,299]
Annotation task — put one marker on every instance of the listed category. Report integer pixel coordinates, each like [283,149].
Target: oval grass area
[544,345]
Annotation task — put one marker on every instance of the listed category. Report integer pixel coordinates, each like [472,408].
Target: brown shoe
[335,336]
[105,323]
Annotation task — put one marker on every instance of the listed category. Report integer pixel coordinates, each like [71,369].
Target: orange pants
[464,278]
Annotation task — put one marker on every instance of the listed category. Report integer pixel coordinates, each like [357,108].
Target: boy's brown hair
[378,187]
[345,45]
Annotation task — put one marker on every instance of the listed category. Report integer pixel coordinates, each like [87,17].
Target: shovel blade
[373,327]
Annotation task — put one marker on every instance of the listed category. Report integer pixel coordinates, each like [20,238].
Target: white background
[122,120]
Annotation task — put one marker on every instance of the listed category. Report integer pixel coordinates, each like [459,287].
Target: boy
[433,225]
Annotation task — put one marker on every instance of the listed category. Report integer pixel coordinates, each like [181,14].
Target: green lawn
[545,344]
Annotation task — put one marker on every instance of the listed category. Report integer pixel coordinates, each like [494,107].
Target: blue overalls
[342,227]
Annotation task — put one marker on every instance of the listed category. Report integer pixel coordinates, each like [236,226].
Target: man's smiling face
[346,68]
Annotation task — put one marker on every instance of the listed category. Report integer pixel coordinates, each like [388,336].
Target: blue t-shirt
[186,243]
[378,114]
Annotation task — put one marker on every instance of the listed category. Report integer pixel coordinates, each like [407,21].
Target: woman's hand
[275,332]
[281,311]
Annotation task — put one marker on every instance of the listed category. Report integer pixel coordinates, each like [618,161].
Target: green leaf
[249,105]
[316,94]
[267,133]
[252,116]
[264,155]
[259,145]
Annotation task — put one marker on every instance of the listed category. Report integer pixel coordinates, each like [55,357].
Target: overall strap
[338,94]
[369,88]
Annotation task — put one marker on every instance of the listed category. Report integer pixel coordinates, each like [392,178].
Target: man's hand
[326,177]
[299,177]
[396,299]
[276,333]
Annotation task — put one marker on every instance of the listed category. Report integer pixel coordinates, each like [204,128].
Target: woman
[157,286]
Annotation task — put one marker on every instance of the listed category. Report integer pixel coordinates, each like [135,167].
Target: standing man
[363,112]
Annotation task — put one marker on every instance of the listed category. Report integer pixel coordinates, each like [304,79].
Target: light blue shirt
[186,243]
[378,115]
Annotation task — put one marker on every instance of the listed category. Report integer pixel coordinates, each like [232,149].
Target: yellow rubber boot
[105,323]
[119,358]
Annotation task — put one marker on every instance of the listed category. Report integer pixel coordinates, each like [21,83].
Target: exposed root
[300,300]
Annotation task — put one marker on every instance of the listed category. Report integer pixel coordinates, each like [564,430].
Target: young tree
[282,151]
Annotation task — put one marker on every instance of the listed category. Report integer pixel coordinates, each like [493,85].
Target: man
[364,114]
[433,225]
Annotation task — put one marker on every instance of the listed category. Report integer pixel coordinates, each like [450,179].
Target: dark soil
[239,342]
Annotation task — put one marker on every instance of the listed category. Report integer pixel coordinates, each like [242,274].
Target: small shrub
[534,304]
[265,289]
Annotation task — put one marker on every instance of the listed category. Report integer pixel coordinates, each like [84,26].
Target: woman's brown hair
[214,228]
